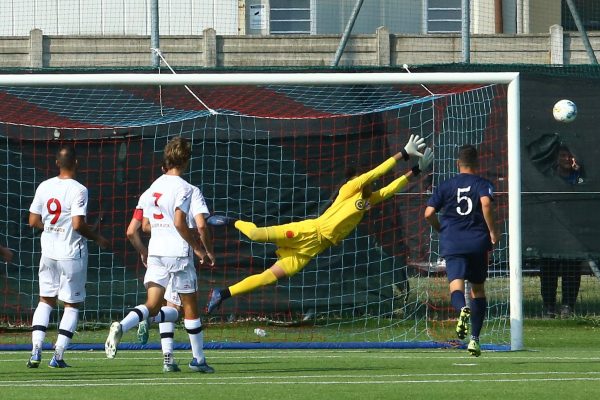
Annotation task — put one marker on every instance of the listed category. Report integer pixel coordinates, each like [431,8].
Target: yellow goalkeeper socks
[244,227]
[253,282]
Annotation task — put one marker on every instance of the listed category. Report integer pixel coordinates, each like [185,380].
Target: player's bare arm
[432,219]
[205,238]
[35,221]
[181,225]
[146,228]
[487,207]
[133,234]
[86,231]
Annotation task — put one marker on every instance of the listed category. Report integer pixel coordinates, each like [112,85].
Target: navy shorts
[470,267]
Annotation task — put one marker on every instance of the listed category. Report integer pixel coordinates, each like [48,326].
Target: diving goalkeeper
[299,242]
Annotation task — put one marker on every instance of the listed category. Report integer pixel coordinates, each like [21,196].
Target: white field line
[283,380]
[300,354]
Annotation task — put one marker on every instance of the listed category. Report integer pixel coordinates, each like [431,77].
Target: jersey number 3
[461,197]
[156,197]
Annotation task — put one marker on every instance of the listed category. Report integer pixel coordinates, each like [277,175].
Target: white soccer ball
[564,111]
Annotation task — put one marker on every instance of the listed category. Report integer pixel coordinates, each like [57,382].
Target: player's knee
[268,277]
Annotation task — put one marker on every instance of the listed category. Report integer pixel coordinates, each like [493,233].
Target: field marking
[261,355]
[459,377]
[279,381]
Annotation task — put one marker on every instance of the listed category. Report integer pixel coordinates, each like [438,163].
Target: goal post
[247,129]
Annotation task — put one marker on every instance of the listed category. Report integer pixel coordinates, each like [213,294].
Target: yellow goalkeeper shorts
[299,243]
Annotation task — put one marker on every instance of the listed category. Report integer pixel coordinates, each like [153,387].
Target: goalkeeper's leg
[267,277]
[266,234]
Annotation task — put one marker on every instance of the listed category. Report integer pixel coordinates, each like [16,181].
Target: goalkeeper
[299,242]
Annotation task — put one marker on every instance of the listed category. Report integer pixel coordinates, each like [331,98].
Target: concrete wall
[211,50]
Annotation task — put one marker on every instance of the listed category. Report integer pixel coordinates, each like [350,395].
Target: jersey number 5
[460,197]
[54,209]
[156,197]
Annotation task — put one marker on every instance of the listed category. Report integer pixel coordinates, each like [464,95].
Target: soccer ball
[564,111]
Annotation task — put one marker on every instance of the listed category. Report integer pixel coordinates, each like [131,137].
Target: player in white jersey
[59,208]
[199,211]
[170,256]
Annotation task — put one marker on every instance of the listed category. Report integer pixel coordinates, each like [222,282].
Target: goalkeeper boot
[220,220]
[113,339]
[36,358]
[142,332]
[169,364]
[201,367]
[55,363]
[215,301]
[462,326]
[474,348]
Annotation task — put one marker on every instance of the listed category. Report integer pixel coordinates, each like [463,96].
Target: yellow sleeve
[361,181]
[387,191]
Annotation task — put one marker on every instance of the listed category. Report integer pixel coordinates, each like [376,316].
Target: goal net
[270,148]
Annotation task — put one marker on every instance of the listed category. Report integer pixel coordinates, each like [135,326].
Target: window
[290,16]
[444,16]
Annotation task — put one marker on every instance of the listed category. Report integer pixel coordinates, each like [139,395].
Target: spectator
[570,271]
[567,168]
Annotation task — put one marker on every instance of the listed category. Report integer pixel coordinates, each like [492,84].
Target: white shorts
[171,296]
[178,272]
[64,279]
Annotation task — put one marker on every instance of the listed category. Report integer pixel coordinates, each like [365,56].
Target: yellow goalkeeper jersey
[349,207]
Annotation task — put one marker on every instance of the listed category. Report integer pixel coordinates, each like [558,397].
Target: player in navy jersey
[467,232]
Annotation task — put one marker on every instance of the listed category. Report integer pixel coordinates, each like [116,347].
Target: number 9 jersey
[463,229]
[57,201]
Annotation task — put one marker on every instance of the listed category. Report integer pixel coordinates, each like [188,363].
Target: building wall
[233,17]
[116,17]
[212,50]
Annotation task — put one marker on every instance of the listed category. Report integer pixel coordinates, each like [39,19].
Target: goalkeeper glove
[424,162]
[412,147]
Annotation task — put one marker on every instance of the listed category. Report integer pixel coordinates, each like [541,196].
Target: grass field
[562,360]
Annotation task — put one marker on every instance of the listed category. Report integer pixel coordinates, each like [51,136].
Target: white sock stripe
[192,323]
[165,327]
[144,311]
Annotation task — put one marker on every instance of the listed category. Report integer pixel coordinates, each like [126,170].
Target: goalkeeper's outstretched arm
[398,184]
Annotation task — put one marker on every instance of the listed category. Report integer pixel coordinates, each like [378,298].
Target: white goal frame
[389,78]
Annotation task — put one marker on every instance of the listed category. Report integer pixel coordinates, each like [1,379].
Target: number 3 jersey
[58,201]
[463,228]
[165,195]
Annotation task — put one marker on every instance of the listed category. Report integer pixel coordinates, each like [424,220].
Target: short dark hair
[565,148]
[467,156]
[177,153]
[66,157]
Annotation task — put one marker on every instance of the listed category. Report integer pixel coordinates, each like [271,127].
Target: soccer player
[166,206]
[199,211]
[299,242]
[59,208]
[467,232]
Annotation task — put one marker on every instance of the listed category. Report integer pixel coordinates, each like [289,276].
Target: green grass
[562,359]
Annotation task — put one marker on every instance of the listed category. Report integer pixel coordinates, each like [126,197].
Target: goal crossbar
[386,78]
